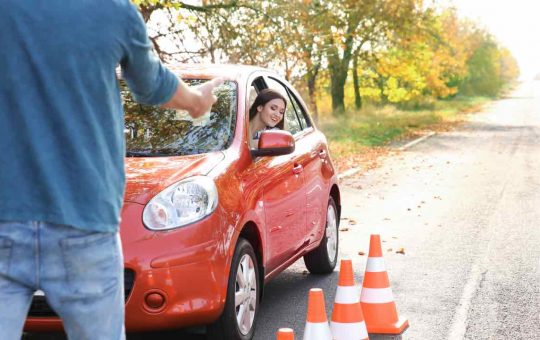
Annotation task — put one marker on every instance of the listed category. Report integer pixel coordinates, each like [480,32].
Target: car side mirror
[274,143]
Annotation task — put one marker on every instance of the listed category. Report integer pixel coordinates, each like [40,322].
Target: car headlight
[182,203]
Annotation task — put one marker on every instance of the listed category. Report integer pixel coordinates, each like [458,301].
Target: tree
[509,66]
[427,63]
[360,27]
[181,24]
[400,50]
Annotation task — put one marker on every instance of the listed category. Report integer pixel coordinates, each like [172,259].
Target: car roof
[227,71]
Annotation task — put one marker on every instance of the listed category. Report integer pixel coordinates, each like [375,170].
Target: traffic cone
[376,298]
[347,317]
[316,323]
[285,334]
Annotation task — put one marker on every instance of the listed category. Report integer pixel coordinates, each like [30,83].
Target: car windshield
[151,131]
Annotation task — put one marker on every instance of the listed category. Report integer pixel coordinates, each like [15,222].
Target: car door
[285,196]
[312,144]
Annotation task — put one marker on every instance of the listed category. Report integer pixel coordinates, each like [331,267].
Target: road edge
[353,171]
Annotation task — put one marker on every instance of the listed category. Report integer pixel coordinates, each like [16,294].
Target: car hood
[147,176]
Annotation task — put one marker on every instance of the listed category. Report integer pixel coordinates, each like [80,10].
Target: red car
[207,220]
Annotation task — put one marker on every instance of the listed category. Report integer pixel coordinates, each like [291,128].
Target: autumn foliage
[402,52]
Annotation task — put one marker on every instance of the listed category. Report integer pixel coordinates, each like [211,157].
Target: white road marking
[348,173]
[416,141]
[353,171]
[459,324]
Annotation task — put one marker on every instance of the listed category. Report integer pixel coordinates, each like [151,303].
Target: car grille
[40,307]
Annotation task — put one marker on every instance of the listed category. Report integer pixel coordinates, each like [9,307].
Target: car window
[153,131]
[252,94]
[292,124]
[302,116]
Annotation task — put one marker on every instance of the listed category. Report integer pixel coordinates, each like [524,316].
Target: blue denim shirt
[61,119]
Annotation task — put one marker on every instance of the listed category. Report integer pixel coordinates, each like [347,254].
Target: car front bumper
[186,270]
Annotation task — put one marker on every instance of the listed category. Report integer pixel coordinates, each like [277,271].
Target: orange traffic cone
[316,324]
[285,334]
[347,317]
[377,300]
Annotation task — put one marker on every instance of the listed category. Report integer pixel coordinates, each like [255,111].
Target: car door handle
[278,228]
[298,168]
[322,154]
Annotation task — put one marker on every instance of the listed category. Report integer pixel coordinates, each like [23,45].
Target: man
[62,153]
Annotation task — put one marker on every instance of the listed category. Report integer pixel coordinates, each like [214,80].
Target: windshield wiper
[142,154]
[152,154]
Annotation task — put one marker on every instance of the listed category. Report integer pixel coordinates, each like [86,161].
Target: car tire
[323,259]
[228,326]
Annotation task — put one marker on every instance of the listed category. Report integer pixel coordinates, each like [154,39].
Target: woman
[266,113]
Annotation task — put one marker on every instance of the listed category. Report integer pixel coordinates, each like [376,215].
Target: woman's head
[270,105]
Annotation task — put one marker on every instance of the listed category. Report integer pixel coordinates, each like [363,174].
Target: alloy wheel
[245,297]
[331,232]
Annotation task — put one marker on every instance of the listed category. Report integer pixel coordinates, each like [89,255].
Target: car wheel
[323,259]
[241,307]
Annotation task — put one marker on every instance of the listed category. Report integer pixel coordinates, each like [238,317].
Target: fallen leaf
[352,222]
[344,229]
[361,253]
[400,251]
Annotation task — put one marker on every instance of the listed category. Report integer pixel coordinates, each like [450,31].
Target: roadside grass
[360,136]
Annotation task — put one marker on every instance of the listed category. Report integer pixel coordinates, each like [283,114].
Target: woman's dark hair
[264,97]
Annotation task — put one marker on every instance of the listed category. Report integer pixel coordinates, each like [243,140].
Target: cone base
[397,328]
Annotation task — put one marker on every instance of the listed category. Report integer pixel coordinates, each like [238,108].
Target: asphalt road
[464,206]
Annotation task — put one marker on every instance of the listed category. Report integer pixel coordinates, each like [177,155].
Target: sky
[515,24]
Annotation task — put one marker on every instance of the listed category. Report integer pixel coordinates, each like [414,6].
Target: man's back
[61,120]
[62,155]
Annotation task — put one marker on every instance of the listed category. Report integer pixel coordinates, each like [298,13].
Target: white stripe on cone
[376,295]
[347,295]
[317,331]
[349,331]
[375,264]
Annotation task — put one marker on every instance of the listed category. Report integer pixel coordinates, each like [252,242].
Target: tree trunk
[381,84]
[313,98]
[356,83]
[339,68]
[337,89]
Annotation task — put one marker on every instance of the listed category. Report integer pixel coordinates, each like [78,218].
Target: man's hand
[197,100]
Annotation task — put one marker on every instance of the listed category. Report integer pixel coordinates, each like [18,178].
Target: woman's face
[272,112]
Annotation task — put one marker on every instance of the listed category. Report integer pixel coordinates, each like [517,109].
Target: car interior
[295,119]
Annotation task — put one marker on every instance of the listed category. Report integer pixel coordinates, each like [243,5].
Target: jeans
[80,272]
